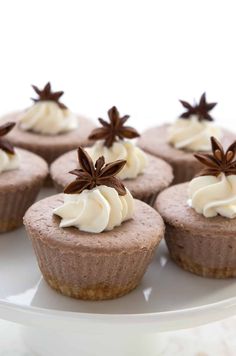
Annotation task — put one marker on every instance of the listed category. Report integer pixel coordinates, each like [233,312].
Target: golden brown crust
[97,292]
[201,270]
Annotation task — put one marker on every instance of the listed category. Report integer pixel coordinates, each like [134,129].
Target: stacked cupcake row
[96,241]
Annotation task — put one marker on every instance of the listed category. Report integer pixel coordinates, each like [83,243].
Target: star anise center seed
[218,154]
[229,156]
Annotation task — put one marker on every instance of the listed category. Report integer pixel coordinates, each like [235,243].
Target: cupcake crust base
[195,268]
[96,292]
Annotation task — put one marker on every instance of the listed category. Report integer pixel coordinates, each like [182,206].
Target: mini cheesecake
[94,242]
[48,128]
[176,143]
[200,217]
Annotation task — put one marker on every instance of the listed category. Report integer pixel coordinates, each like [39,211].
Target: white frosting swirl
[96,210]
[46,117]
[9,161]
[210,195]
[193,134]
[135,158]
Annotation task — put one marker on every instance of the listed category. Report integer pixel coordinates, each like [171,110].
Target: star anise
[4,144]
[89,175]
[110,131]
[201,110]
[219,161]
[46,94]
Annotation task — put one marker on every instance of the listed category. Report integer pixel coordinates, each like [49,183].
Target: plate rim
[226,305]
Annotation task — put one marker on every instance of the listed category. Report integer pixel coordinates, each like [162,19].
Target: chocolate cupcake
[21,176]
[176,143]
[48,128]
[143,174]
[94,242]
[200,216]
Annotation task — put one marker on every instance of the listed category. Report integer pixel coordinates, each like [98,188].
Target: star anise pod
[110,131]
[46,94]
[219,161]
[4,144]
[89,175]
[201,110]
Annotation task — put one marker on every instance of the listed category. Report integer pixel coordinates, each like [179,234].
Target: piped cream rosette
[96,201]
[48,116]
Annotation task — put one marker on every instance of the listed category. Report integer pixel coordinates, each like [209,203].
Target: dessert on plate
[48,128]
[191,132]
[143,174]
[21,176]
[200,216]
[94,241]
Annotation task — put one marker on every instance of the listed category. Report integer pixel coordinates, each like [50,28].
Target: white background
[139,55]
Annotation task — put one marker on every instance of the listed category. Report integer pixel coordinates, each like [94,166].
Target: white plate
[168,297]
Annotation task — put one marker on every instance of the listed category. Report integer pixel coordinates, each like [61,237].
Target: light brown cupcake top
[173,207]
[32,167]
[143,231]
